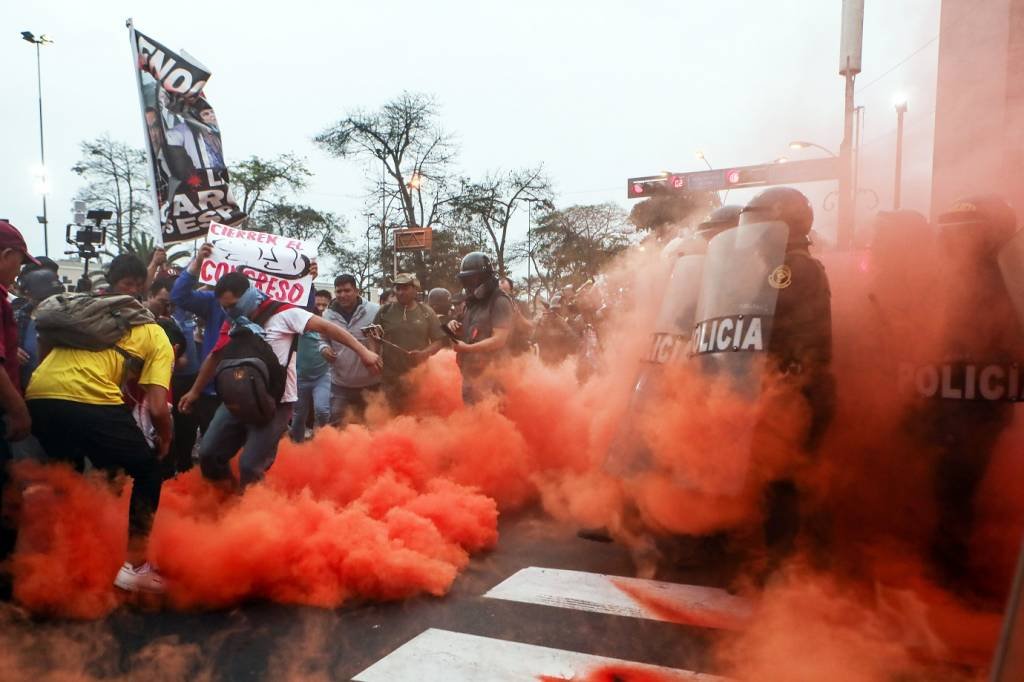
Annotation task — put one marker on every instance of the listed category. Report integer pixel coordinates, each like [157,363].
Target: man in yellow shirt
[79,410]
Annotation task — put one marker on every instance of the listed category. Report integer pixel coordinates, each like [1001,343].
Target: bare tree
[415,154]
[490,204]
[117,179]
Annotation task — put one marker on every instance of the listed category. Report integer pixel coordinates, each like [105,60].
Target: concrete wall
[979,117]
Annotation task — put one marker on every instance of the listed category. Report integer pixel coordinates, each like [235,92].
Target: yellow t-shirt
[94,377]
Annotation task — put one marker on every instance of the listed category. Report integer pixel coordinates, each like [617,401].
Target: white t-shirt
[281,329]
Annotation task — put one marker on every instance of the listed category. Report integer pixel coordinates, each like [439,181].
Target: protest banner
[278,266]
[186,158]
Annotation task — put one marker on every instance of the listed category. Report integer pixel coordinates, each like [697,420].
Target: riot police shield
[743,272]
[1011,265]
[669,342]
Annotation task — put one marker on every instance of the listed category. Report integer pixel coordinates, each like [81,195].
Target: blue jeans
[226,435]
[315,392]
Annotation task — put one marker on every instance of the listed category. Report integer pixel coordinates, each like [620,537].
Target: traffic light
[649,185]
[747,176]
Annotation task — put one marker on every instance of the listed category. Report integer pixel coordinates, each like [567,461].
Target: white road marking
[632,597]
[444,656]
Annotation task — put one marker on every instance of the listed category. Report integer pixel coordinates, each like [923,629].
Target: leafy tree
[573,244]
[117,179]
[662,211]
[489,205]
[260,183]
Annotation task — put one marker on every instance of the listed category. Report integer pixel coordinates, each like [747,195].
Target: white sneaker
[145,578]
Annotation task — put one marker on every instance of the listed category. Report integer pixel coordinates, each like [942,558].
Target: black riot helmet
[988,220]
[477,275]
[721,218]
[475,263]
[440,300]
[782,203]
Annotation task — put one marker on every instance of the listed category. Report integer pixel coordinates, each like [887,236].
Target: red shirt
[9,348]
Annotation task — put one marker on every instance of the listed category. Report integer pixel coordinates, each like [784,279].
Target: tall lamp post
[901,109]
[28,36]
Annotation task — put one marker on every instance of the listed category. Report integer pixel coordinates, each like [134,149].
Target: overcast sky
[596,91]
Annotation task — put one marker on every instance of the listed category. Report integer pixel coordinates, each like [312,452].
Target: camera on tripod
[86,238]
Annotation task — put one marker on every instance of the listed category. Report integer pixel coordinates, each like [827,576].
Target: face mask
[246,303]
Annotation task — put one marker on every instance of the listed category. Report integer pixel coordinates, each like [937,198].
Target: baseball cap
[10,238]
[407,278]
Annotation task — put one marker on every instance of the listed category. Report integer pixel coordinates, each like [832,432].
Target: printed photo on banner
[183,137]
[278,266]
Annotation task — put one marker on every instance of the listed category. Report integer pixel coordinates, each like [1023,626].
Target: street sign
[730,178]
[414,239]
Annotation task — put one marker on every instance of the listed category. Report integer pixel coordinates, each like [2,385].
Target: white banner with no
[278,266]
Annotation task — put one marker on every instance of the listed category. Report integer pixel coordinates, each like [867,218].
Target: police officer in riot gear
[800,345]
[981,338]
[485,325]
[722,218]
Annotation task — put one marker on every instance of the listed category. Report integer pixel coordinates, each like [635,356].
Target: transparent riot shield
[744,270]
[669,342]
[1011,264]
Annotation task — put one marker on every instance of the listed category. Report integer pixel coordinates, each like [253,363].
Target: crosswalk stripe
[445,656]
[696,605]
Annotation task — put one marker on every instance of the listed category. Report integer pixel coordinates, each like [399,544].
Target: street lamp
[700,157]
[781,159]
[900,102]
[799,144]
[28,36]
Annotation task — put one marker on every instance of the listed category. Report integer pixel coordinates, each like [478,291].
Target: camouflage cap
[407,278]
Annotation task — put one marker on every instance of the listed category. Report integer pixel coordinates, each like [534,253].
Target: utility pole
[850,45]
[897,189]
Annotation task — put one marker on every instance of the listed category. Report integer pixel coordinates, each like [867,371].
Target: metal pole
[529,248]
[844,230]
[898,176]
[42,150]
[858,132]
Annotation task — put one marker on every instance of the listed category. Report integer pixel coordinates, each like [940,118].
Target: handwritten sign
[278,266]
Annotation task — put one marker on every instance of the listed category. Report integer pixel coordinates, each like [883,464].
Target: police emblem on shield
[781,277]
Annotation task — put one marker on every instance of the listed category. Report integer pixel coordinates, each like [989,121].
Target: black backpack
[250,380]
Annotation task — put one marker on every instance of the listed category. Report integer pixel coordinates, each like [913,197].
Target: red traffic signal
[646,186]
[745,177]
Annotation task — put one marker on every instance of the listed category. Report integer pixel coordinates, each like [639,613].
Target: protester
[314,377]
[127,275]
[158,299]
[410,332]
[203,304]
[79,411]
[35,285]
[385,297]
[351,381]
[484,327]
[249,309]
[522,328]
[15,424]
[157,263]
